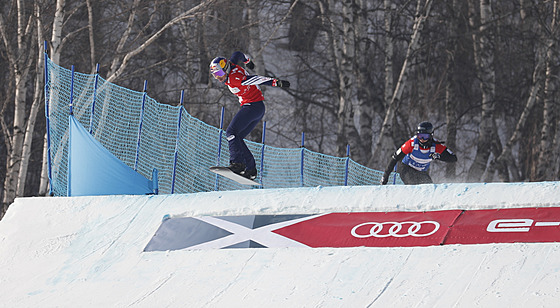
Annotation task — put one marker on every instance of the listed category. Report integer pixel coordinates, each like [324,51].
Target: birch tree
[343,51]
[125,52]
[480,21]
[545,169]
[365,96]
[506,163]
[384,144]
[452,98]
[20,63]
[35,106]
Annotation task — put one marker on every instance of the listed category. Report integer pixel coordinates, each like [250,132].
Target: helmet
[219,67]
[425,131]
[425,128]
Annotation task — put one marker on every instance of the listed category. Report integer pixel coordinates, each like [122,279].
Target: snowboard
[224,171]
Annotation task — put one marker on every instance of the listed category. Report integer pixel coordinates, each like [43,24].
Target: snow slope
[88,252]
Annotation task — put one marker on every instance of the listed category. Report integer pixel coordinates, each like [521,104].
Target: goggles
[218,73]
[423,136]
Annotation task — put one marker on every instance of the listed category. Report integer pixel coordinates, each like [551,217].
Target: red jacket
[245,93]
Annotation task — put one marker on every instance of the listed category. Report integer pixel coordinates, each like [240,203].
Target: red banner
[506,226]
[392,229]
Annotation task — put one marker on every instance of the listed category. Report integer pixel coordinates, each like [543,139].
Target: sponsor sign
[506,226]
[391,229]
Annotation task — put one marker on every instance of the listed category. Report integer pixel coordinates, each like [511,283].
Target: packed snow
[88,252]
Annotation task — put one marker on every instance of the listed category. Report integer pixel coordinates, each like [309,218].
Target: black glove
[282,83]
[384,180]
[435,156]
[250,65]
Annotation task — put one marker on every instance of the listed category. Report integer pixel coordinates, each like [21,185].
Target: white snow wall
[88,252]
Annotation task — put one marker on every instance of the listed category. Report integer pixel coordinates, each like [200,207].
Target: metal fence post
[140,126]
[216,186]
[347,163]
[47,115]
[94,98]
[302,157]
[262,152]
[177,142]
[72,92]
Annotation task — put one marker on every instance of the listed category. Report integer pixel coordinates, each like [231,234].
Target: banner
[392,229]
[364,229]
[526,225]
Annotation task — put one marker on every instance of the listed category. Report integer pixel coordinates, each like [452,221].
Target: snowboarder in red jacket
[246,88]
[416,154]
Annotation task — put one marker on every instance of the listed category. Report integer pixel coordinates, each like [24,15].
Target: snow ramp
[95,251]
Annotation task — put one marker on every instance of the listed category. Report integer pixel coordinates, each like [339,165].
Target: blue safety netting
[145,134]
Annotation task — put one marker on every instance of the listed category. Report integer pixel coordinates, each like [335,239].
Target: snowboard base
[225,172]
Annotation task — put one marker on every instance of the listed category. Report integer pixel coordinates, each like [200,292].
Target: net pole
[47,115]
[347,163]
[94,98]
[262,152]
[302,157]
[140,126]
[177,142]
[72,92]
[71,113]
[217,184]
[155,182]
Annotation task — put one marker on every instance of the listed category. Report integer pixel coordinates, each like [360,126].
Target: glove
[250,65]
[282,83]
[384,180]
[435,156]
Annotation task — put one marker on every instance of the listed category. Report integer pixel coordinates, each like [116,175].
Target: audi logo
[414,229]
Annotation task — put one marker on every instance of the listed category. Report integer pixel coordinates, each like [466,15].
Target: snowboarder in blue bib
[416,154]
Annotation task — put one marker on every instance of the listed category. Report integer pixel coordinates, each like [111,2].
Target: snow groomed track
[90,251]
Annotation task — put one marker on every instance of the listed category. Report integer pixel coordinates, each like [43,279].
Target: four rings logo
[376,229]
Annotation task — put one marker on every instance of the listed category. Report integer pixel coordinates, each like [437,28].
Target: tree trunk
[91,32]
[119,65]
[365,97]
[19,63]
[345,58]
[32,117]
[452,100]
[255,36]
[44,182]
[389,8]
[342,50]
[545,166]
[505,163]
[56,38]
[384,145]
[484,59]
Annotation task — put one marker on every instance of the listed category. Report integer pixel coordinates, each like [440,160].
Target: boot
[237,168]
[250,174]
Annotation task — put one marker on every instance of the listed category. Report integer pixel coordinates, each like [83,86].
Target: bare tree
[384,145]
[37,102]
[120,63]
[345,89]
[480,21]
[545,171]
[506,163]
[18,38]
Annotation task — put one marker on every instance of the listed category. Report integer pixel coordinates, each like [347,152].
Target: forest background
[363,73]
